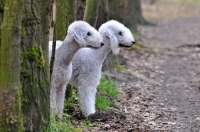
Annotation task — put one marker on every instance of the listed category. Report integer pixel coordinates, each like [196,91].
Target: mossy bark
[35,65]
[79,6]
[2,3]
[90,14]
[102,13]
[10,96]
[64,17]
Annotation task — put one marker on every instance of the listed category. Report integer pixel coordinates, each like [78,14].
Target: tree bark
[128,12]
[116,9]
[34,63]
[2,2]
[130,19]
[102,13]
[90,14]
[64,17]
[79,7]
[140,18]
[10,90]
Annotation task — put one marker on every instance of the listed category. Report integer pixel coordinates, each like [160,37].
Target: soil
[171,58]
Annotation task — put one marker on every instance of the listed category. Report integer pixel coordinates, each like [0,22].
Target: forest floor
[170,56]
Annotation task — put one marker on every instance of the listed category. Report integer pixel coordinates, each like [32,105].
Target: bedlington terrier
[80,34]
[87,63]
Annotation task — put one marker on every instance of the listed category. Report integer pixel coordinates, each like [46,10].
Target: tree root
[142,77]
[134,74]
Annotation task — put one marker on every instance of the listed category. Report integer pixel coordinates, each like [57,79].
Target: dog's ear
[109,33]
[76,34]
[113,40]
[114,47]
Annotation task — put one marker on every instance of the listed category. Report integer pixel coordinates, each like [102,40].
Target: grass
[102,102]
[67,126]
[71,100]
[61,126]
[120,67]
[107,90]
[87,124]
[108,86]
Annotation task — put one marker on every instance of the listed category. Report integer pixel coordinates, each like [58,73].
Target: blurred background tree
[128,12]
[79,6]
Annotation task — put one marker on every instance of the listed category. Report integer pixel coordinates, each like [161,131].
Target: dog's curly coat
[87,63]
[80,34]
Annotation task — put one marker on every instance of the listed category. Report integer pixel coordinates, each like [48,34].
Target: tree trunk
[1,20]
[140,18]
[79,9]
[128,12]
[116,9]
[10,90]
[130,19]
[64,17]
[91,9]
[102,13]
[34,63]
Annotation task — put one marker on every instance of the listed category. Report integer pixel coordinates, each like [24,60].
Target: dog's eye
[88,34]
[120,33]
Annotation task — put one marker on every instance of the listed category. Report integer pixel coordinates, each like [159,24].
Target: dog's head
[85,35]
[119,35]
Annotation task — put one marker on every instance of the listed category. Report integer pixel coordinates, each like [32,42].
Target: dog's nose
[102,44]
[133,42]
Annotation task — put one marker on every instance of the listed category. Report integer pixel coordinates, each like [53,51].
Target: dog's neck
[104,50]
[66,51]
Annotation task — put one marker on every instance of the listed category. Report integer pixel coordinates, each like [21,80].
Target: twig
[142,77]
[108,74]
[137,75]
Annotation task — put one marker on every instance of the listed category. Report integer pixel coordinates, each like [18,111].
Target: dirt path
[175,104]
[171,59]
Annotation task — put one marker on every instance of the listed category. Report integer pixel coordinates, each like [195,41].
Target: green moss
[137,46]
[64,18]
[35,53]
[120,67]
[26,73]
[23,32]
[90,13]
[22,58]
